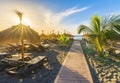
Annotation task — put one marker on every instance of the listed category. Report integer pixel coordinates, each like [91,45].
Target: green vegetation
[100,44]
[64,40]
[106,68]
[102,32]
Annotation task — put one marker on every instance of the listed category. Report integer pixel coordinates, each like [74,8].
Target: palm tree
[93,31]
[99,30]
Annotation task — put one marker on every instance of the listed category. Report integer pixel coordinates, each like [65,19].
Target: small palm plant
[64,40]
[101,30]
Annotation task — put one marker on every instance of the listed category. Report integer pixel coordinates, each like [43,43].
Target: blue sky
[55,14]
[101,7]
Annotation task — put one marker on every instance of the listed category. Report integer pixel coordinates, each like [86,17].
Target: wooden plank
[74,68]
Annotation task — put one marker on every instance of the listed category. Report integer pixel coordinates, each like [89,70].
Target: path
[74,68]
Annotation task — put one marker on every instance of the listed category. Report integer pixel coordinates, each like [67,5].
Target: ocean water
[77,37]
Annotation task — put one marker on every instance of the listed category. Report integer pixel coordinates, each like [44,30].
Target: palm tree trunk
[98,45]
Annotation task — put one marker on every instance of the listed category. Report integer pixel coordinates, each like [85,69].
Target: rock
[96,70]
[118,77]
[115,74]
[119,68]
[103,73]
[118,73]
[109,74]
[114,77]
[105,80]
[114,80]
[100,77]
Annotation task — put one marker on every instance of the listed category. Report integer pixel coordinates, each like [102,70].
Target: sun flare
[25,21]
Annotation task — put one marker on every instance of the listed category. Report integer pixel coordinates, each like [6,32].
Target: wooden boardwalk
[74,69]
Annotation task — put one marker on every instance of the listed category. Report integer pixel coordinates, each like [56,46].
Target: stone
[103,73]
[114,80]
[115,74]
[96,71]
[105,80]
[119,68]
[118,77]
[109,74]
[118,73]
[114,77]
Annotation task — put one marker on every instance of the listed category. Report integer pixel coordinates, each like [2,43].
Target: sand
[55,54]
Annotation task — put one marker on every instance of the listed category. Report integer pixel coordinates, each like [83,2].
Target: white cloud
[54,19]
[72,11]
[58,17]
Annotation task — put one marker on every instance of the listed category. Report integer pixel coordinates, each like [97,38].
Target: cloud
[58,17]
[54,19]
[72,11]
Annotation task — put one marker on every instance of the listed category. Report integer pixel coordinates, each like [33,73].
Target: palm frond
[95,22]
[84,28]
[117,28]
[111,21]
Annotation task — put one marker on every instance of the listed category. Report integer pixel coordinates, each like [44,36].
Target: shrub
[64,40]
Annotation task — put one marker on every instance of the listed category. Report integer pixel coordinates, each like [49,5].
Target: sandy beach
[55,55]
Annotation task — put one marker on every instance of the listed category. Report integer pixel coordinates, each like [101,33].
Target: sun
[26,21]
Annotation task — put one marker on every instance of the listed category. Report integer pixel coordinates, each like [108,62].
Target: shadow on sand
[40,75]
[67,75]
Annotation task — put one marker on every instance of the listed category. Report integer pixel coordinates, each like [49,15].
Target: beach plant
[64,40]
[100,31]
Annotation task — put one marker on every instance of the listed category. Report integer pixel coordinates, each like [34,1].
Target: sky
[57,15]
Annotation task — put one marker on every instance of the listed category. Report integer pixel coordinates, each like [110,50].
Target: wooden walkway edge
[74,68]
